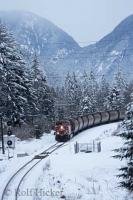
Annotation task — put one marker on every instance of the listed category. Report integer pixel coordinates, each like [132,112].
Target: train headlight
[62,128]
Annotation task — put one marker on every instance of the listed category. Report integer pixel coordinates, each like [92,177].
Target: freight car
[65,130]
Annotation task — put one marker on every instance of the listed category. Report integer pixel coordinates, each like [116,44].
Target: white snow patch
[84,176]
[30,147]
[100,68]
[114,52]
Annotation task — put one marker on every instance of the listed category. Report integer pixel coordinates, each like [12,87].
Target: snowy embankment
[85,176]
[30,148]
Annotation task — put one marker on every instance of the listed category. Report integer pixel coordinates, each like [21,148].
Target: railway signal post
[2,134]
[9,141]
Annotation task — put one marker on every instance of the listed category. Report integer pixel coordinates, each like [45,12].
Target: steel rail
[25,165]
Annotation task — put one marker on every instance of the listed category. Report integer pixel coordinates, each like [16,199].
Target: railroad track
[12,188]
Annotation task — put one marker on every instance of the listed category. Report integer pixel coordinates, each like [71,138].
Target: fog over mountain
[60,53]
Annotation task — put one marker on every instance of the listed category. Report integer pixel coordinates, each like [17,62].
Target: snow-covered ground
[86,176]
[30,147]
[64,174]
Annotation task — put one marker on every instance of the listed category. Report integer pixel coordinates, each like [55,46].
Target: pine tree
[73,95]
[42,92]
[128,92]
[126,152]
[14,83]
[116,98]
[103,94]
[113,99]
[61,106]
[38,81]
[85,95]
[49,106]
[90,94]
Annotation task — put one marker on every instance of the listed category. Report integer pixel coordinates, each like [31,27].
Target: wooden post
[99,146]
[76,147]
[93,146]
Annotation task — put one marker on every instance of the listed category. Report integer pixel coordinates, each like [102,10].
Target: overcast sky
[84,20]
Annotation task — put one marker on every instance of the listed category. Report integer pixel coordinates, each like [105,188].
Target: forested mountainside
[59,53]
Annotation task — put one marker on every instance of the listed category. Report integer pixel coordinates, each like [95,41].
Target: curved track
[12,187]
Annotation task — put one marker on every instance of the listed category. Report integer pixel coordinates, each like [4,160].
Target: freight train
[66,129]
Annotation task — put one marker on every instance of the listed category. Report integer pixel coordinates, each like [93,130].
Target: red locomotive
[63,131]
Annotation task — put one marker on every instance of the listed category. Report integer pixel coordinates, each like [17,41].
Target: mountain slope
[36,32]
[114,50]
[61,53]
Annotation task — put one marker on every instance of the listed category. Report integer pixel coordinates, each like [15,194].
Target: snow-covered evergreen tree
[126,151]
[128,92]
[93,92]
[39,85]
[42,92]
[116,98]
[14,86]
[90,94]
[73,95]
[113,99]
[61,106]
[103,94]
[85,95]
[49,106]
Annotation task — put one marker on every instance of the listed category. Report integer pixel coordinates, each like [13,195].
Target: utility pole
[2,134]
